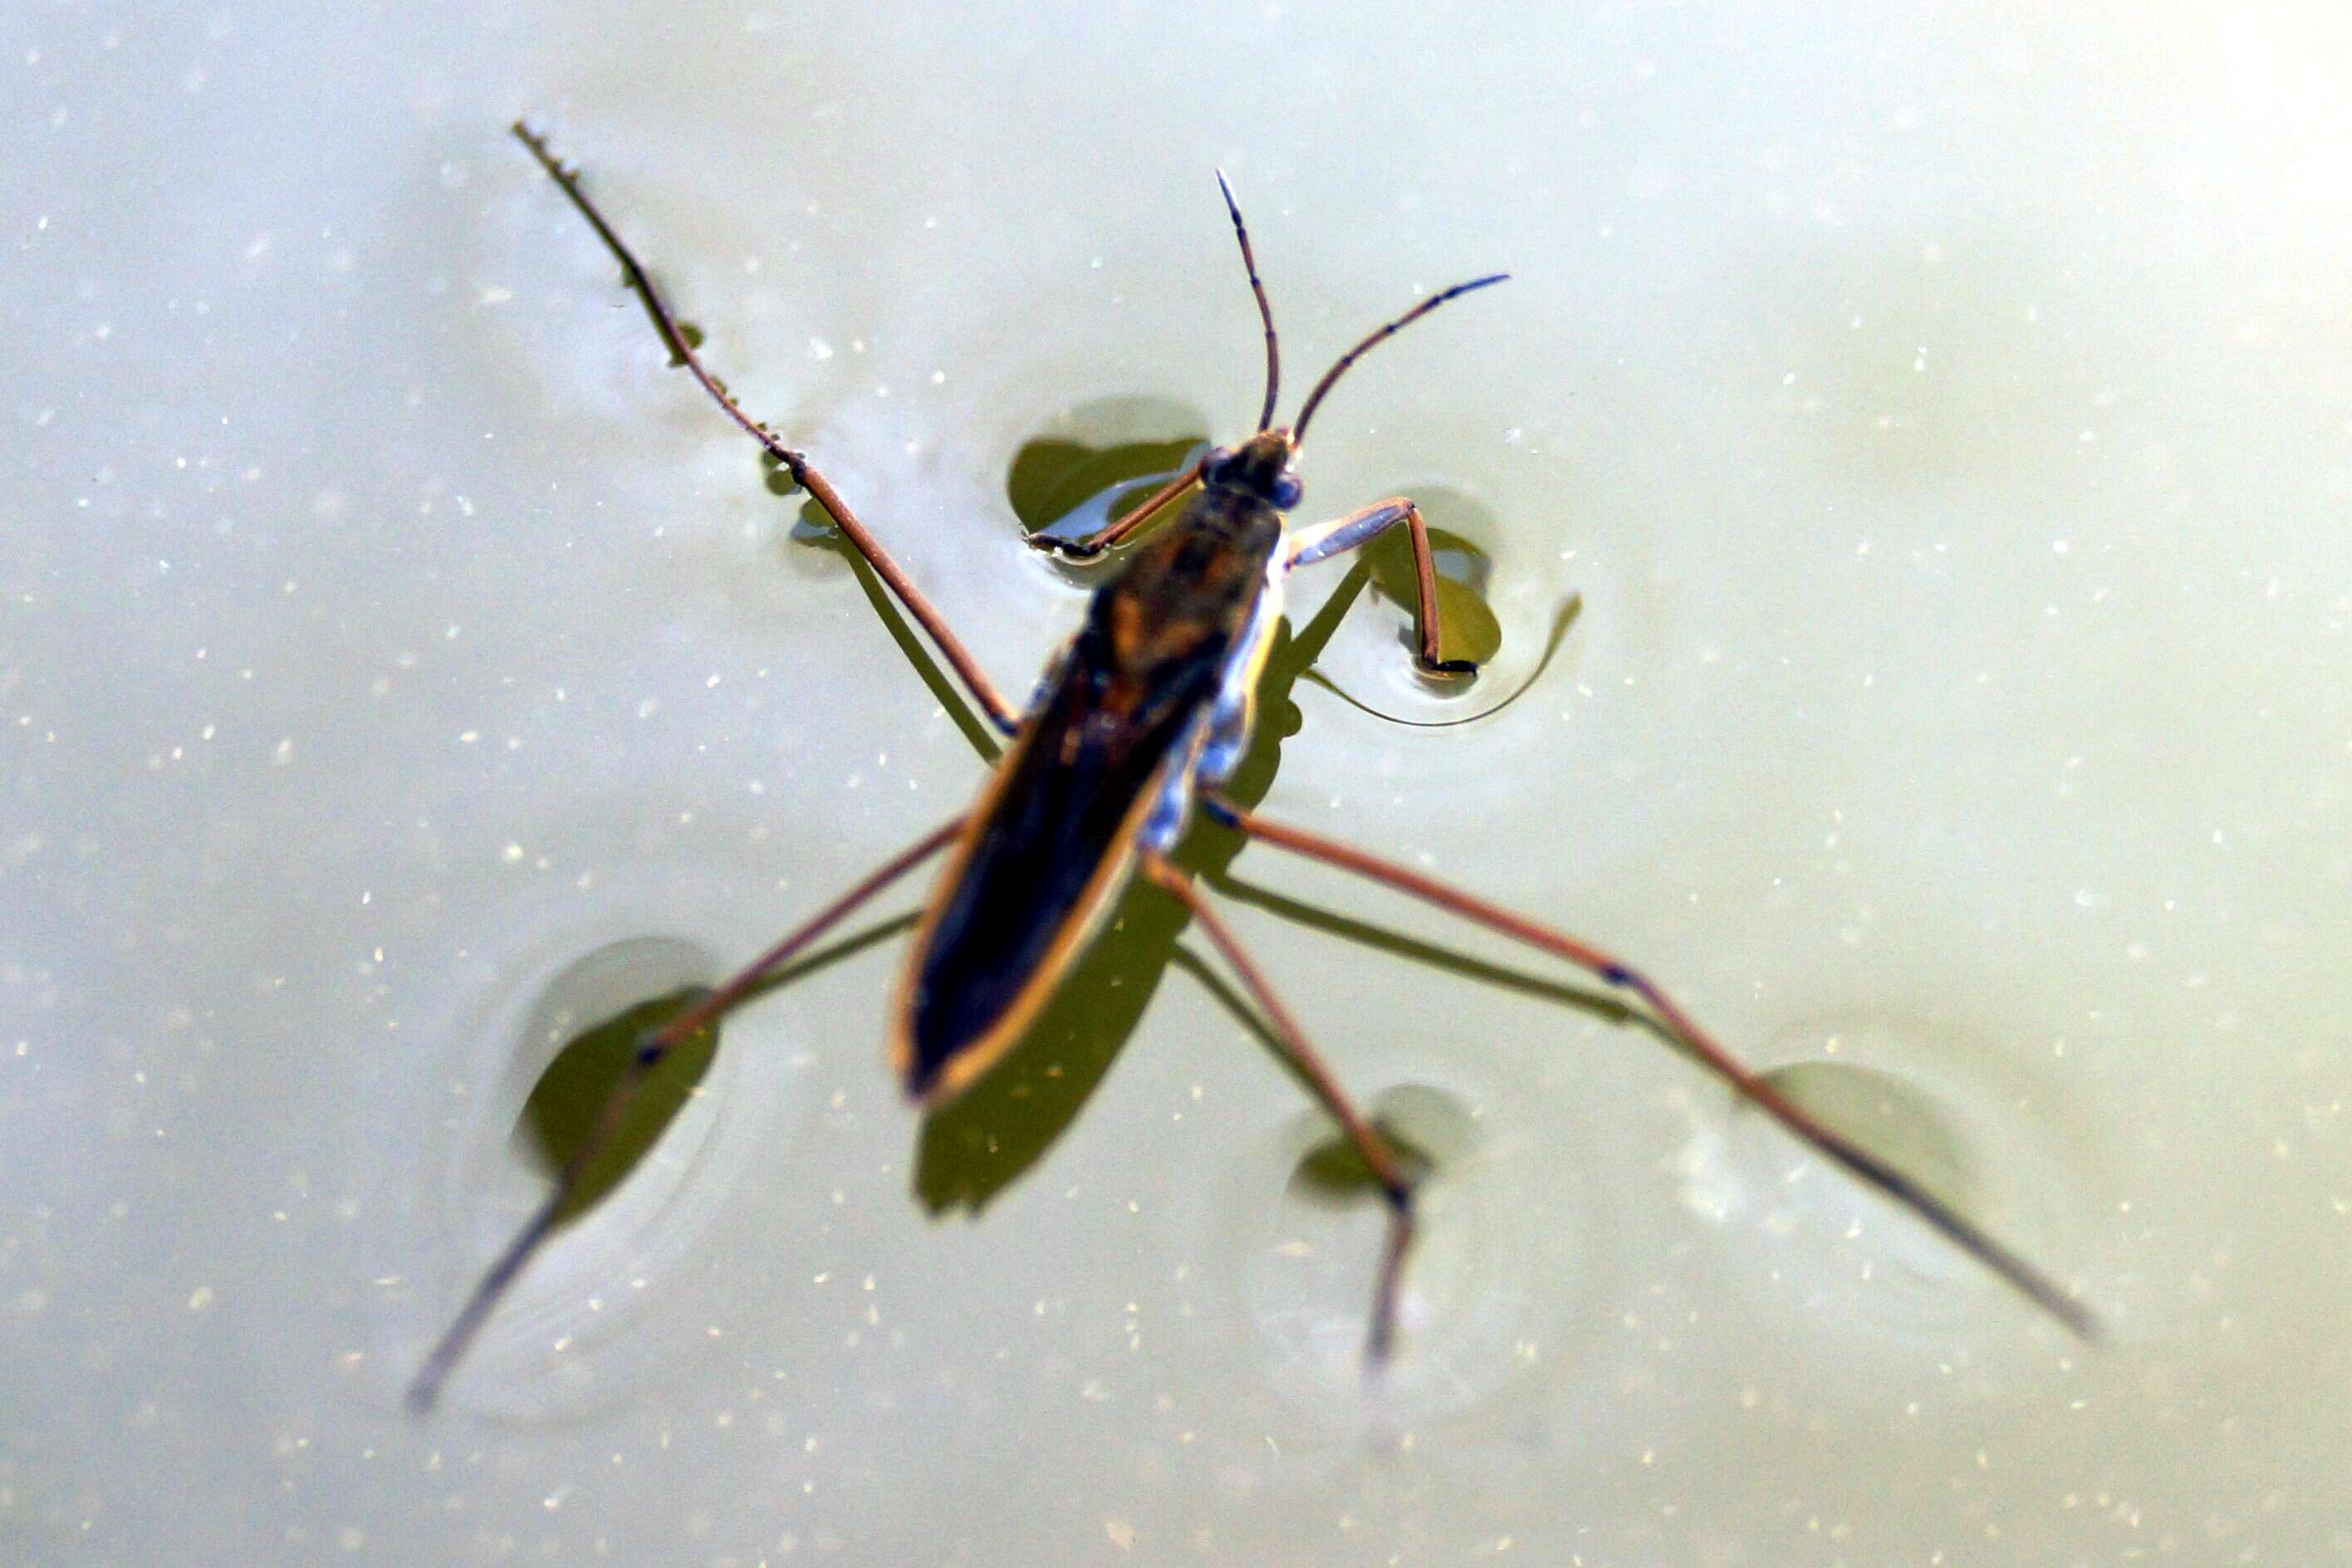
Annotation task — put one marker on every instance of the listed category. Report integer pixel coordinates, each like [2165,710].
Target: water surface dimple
[560,1118]
[1468,628]
[573,1036]
[1514,631]
[1490,1277]
[1842,1254]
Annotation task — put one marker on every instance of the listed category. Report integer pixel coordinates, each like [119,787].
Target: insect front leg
[1387,1169]
[655,1045]
[1359,528]
[795,463]
[1111,533]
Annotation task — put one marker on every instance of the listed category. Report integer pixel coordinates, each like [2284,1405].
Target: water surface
[1933,420]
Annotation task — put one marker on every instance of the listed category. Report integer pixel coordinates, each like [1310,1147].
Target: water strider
[1141,719]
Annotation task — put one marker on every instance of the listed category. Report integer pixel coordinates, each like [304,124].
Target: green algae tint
[1466,627]
[562,1113]
[1334,1170]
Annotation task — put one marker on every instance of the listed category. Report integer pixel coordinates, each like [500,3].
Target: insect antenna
[1265,310]
[1307,411]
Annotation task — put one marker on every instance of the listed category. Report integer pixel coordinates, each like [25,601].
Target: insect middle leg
[650,1053]
[793,462]
[1359,527]
[1387,1169]
[1744,1080]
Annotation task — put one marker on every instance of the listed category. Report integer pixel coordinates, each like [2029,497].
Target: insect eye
[1217,466]
[1287,491]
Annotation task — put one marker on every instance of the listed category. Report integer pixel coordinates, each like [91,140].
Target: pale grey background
[1942,410]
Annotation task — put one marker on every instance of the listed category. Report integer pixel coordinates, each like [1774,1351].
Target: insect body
[1151,701]
[1140,720]
[1151,696]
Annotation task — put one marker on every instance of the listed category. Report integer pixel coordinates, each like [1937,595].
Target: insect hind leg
[1749,1085]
